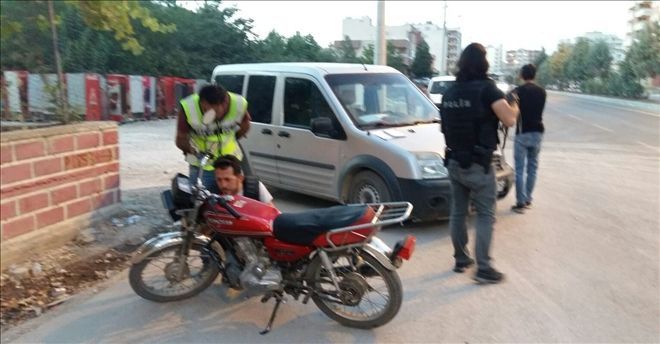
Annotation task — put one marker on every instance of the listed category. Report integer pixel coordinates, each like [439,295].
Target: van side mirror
[322,126]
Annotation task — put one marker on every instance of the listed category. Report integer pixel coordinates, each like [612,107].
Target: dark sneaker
[528,205]
[519,208]
[489,276]
[460,268]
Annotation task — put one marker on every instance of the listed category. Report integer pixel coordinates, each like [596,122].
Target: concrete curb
[653,108]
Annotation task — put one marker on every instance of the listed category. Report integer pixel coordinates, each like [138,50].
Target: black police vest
[251,187]
[470,129]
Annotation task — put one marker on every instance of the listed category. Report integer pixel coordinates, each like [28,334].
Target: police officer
[470,111]
[212,118]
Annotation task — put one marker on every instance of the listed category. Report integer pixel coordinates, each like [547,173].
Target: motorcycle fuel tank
[256,218]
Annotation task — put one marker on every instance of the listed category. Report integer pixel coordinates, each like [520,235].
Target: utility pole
[58,64]
[445,48]
[380,53]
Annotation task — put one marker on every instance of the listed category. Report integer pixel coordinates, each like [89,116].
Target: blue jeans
[526,152]
[208,179]
[472,184]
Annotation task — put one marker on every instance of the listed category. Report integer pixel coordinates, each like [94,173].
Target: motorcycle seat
[302,228]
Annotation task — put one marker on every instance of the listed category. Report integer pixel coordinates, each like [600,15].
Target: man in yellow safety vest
[211,119]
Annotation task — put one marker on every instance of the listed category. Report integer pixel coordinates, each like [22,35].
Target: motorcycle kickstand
[278,299]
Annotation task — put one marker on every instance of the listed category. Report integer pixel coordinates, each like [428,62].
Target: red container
[118,93]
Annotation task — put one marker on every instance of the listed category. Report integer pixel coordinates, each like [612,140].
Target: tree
[117,17]
[577,66]
[644,54]
[422,65]
[394,59]
[541,58]
[543,74]
[599,60]
[347,52]
[368,54]
[558,62]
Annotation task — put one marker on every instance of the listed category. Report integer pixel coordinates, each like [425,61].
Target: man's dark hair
[213,94]
[227,161]
[528,72]
[472,65]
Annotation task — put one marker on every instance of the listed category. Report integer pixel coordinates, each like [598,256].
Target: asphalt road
[581,266]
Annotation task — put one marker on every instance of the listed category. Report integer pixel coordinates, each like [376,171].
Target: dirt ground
[148,162]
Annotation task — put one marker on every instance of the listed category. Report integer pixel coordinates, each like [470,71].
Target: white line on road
[591,124]
[655,149]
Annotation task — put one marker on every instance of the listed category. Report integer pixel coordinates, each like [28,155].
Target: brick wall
[55,176]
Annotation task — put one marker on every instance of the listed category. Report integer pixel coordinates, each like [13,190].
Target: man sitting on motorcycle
[231,181]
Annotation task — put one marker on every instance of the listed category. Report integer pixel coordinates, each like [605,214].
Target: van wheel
[368,187]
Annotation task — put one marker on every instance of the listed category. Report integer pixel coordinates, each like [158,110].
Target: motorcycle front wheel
[369,294]
[160,277]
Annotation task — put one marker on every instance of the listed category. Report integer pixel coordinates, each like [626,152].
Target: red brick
[107,168]
[110,137]
[115,153]
[31,203]
[102,156]
[6,154]
[111,182]
[60,144]
[16,227]
[49,217]
[78,160]
[7,210]
[63,194]
[47,166]
[84,141]
[11,174]
[89,187]
[29,150]
[78,208]
[105,199]
[48,182]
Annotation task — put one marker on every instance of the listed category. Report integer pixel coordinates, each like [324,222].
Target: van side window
[302,102]
[232,83]
[260,95]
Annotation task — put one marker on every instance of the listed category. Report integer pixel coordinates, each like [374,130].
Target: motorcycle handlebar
[222,200]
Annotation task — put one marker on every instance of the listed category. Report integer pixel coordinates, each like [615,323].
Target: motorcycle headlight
[431,165]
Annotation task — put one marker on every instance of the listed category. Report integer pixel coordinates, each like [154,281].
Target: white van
[350,133]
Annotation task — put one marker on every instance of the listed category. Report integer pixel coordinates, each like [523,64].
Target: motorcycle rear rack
[386,214]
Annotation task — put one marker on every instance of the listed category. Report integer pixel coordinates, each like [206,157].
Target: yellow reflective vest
[204,135]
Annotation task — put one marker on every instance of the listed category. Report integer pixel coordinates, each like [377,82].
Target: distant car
[437,87]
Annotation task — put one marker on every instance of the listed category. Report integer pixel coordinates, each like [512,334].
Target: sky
[514,24]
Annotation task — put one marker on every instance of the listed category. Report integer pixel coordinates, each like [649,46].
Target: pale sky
[514,24]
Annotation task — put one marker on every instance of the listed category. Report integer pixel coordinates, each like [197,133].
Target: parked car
[345,132]
[437,86]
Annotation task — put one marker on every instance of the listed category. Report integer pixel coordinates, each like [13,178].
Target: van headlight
[431,165]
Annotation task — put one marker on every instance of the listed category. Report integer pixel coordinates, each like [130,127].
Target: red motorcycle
[329,255]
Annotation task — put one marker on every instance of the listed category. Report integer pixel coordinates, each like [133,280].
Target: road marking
[656,149]
[657,114]
[591,124]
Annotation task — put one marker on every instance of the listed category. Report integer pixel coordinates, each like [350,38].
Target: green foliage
[599,60]
[644,53]
[118,17]
[422,65]
[543,56]
[394,59]
[577,66]
[346,51]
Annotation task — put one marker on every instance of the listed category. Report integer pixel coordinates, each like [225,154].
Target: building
[454,48]
[641,13]
[405,38]
[515,59]
[614,43]
[494,54]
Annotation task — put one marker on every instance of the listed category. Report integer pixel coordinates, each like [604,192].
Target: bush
[595,86]
[624,86]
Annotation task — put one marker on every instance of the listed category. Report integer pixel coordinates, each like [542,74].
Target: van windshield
[382,100]
[440,87]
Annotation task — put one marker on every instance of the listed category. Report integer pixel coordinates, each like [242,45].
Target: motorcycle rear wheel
[200,269]
[357,290]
